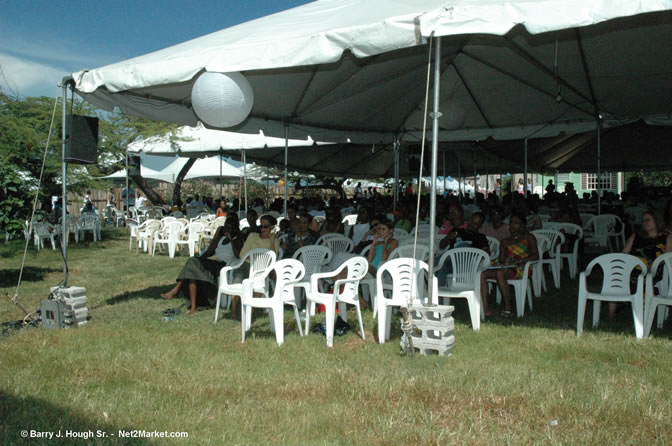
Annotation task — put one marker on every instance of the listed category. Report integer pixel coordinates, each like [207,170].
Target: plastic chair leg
[596,312]
[278,324]
[581,312]
[330,313]
[382,321]
[638,316]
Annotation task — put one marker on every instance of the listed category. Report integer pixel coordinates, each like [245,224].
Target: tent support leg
[284,209]
[435,149]
[525,173]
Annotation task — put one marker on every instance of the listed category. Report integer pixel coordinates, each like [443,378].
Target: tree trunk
[152,196]
[177,189]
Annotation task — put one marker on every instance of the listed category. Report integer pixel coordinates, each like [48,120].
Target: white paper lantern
[222,99]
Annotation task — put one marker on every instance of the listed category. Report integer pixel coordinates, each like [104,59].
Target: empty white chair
[313,258]
[465,279]
[664,296]
[421,252]
[89,223]
[344,292]
[572,256]
[145,234]
[336,243]
[41,232]
[168,236]
[617,269]
[409,283]
[288,273]
[260,260]
[603,229]
[554,260]
[538,276]
[193,237]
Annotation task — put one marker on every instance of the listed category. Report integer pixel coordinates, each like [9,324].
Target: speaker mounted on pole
[81,139]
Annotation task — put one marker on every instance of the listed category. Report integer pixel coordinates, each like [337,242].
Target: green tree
[24,130]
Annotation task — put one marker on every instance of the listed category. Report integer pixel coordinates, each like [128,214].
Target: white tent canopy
[357,69]
[199,142]
[213,167]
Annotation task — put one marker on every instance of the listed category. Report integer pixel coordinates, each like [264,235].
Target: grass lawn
[518,381]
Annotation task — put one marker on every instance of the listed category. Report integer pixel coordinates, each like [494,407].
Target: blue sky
[42,41]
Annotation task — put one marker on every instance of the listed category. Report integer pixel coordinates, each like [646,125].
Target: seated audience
[201,274]
[515,251]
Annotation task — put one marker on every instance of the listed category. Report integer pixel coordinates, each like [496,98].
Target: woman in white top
[201,274]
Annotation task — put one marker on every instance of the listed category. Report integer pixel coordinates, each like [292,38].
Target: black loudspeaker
[81,143]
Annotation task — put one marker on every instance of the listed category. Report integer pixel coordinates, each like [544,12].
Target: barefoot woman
[200,275]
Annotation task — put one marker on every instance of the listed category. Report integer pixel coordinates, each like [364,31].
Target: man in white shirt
[141,202]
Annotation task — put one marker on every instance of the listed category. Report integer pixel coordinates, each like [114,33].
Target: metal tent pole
[525,173]
[220,175]
[459,177]
[435,150]
[395,193]
[444,171]
[245,177]
[599,179]
[475,175]
[286,186]
[64,203]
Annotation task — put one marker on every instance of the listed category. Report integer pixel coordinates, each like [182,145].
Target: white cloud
[28,78]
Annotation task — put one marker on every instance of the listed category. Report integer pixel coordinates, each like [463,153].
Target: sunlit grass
[516,381]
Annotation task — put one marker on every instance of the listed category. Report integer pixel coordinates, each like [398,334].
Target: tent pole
[487,177]
[459,177]
[599,179]
[435,149]
[220,176]
[444,172]
[64,203]
[286,186]
[475,175]
[525,173]
[268,197]
[395,193]
[245,178]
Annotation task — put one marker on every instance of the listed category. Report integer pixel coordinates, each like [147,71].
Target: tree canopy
[24,131]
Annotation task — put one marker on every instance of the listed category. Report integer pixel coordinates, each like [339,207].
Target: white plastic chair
[421,252]
[313,258]
[424,228]
[40,233]
[260,260]
[344,292]
[336,243]
[601,229]
[617,270]
[193,237]
[398,232]
[664,296]
[572,257]
[465,279]
[554,260]
[89,223]
[493,247]
[538,275]
[522,289]
[145,234]
[288,273]
[349,219]
[168,236]
[408,283]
